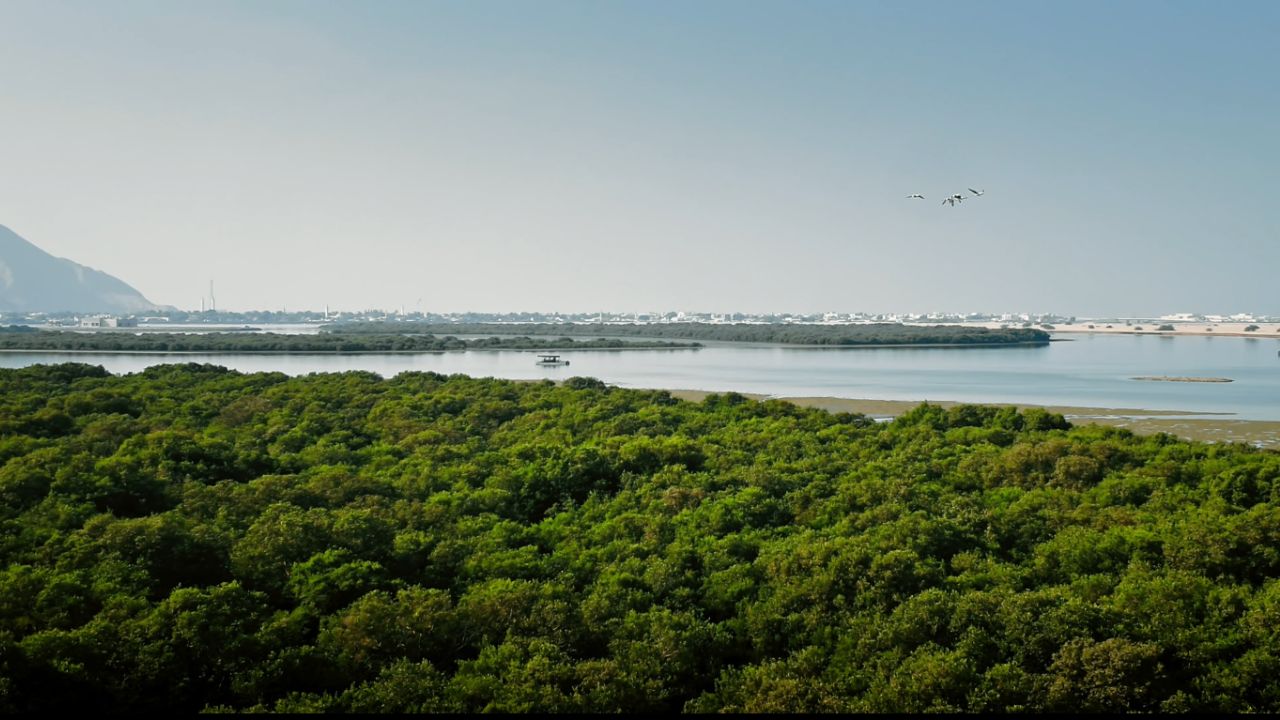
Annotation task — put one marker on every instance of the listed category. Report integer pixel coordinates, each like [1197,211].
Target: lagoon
[1078,370]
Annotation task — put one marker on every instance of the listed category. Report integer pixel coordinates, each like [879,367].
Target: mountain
[32,280]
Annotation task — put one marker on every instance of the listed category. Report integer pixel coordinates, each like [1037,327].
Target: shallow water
[1082,370]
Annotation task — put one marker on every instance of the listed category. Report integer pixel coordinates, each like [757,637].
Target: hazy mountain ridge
[32,280]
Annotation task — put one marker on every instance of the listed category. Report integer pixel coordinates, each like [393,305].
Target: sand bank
[1189,425]
[1166,378]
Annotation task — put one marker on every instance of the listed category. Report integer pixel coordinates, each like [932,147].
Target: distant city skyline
[756,156]
[286,315]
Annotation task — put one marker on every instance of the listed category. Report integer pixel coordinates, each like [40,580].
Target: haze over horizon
[718,156]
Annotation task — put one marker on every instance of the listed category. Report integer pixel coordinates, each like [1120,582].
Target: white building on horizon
[107,321]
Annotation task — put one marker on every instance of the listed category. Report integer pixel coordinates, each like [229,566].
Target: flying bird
[977,193]
[917,195]
[953,200]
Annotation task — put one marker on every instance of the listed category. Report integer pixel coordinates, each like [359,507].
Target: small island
[841,335]
[1165,378]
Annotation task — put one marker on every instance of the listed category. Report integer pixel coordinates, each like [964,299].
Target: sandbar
[1184,424]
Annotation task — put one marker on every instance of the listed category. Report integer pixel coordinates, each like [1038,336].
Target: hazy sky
[698,155]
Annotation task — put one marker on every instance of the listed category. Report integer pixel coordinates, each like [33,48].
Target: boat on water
[550,360]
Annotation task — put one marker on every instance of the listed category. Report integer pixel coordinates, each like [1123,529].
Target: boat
[550,360]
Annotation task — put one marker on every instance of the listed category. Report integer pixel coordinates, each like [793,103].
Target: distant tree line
[797,334]
[281,343]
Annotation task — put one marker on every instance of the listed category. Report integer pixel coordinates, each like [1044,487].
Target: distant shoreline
[1265,331]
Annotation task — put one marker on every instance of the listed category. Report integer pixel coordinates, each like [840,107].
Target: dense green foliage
[190,537]
[238,342]
[797,334]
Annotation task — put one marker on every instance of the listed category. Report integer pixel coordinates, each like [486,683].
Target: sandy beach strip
[1189,425]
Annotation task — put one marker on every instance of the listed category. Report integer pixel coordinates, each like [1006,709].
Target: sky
[648,156]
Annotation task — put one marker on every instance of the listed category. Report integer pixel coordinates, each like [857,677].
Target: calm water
[1088,371]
